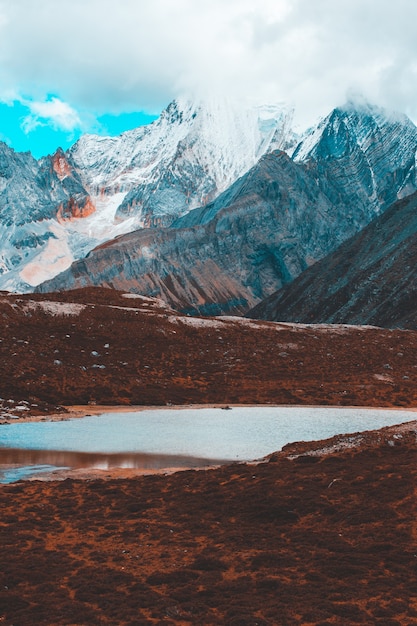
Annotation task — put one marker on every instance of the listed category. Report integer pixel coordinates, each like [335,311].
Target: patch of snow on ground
[345,443]
[245,321]
[342,328]
[339,329]
[157,302]
[384,378]
[126,308]
[197,322]
[54,308]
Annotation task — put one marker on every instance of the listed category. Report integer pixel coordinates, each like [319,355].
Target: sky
[69,67]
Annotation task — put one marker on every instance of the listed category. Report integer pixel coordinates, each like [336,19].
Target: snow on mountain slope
[183,160]
[34,197]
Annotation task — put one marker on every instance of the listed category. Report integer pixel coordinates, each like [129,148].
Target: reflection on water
[191,437]
[13,474]
[17,463]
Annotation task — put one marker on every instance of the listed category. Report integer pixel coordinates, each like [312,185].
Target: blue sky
[24,130]
[75,66]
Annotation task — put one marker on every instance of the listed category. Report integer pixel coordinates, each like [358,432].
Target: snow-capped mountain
[56,210]
[183,160]
[271,224]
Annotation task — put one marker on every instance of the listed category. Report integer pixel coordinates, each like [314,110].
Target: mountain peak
[359,123]
[60,164]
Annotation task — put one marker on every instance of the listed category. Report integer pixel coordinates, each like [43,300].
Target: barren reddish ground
[302,539]
[115,350]
[309,538]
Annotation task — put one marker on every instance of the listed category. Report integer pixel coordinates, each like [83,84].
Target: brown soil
[116,350]
[321,534]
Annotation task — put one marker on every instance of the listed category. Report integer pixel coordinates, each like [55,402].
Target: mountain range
[56,210]
[213,208]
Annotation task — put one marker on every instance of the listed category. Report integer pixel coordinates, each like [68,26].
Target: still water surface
[174,438]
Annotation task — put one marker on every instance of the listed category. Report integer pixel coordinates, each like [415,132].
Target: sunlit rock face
[75,210]
[60,164]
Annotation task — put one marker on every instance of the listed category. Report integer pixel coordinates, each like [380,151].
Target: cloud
[53,112]
[104,56]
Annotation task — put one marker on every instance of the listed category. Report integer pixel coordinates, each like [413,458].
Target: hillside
[370,279]
[97,345]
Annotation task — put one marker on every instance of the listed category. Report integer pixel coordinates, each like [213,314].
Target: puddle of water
[179,438]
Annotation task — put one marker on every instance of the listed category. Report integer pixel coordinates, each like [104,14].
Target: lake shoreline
[83,471]
[84,410]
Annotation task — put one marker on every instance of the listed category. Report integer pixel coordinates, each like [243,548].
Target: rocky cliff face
[74,209]
[369,153]
[370,279]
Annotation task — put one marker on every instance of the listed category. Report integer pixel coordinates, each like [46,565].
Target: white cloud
[108,56]
[53,112]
